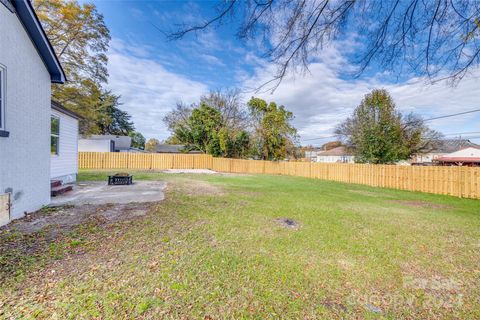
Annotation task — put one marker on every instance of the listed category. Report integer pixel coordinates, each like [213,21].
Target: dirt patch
[199,188]
[288,223]
[421,204]
[334,305]
[24,241]
[193,171]
[369,193]
[203,171]
[64,218]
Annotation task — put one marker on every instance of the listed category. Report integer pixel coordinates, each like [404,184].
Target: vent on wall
[4,208]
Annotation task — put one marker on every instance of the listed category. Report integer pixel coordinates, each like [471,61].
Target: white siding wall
[428,157]
[64,166]
[25,155]
[89,145]
[335,159]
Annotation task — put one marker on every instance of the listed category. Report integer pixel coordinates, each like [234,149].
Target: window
[2,96]
[54,135]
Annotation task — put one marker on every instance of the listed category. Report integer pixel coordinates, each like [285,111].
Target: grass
[215,249]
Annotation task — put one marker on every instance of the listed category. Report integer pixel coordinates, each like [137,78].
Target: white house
[105,143]
[335,155]
[464,157]
[63,144]
[311,155]
[28,66]
[443,147]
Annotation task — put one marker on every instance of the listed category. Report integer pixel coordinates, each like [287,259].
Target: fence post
[455,181]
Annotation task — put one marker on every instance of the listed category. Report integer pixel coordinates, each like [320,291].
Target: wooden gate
[4,209]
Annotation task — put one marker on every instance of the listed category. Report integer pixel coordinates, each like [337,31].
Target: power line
[319,144]
[328,137]
[424,120]
[460,133]
[452,115]
[445,134]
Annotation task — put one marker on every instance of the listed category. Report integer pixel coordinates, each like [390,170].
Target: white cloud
[149,90]
[211,60]
[321,98]
[137,13]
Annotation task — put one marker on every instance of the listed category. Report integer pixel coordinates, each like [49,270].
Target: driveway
[98,193]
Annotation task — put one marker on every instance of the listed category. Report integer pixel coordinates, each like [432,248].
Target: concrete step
[58,190]
[55,183]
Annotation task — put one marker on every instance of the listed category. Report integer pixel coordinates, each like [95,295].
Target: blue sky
[152,74]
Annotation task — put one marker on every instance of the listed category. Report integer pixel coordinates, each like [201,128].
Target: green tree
[241,145]
[110,119]
[233,111]
[378,133]
[138,140]
[201,130]
[215,126]
[80,39]
[151,145]
[173,139]
[234,144]
[274,133]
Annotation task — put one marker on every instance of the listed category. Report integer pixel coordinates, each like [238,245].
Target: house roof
[26,14]
[465,155]
[338,151]
[174,148]
[170,148]
[57,106]
[459,159]
[452,145]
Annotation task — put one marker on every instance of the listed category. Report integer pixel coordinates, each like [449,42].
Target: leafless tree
[231,107]
[439,39]
[178,116]
[420,138]
[229,102]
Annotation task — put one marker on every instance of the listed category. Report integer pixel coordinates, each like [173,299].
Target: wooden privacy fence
[455,181]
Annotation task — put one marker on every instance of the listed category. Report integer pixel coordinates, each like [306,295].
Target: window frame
[55,135]
[3,94]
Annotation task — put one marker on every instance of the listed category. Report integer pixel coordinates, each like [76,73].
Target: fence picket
[455,181]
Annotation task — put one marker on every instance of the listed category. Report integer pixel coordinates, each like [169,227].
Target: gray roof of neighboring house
[170,148]
[338,151]
[57,106]
[27,16]
[452,145]
[121,142]
[173,148]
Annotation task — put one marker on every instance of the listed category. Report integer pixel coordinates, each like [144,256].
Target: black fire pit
[120,179]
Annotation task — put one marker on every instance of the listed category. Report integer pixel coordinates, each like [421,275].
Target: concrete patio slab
[101,193]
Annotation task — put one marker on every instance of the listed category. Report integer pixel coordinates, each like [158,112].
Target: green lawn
[214,249]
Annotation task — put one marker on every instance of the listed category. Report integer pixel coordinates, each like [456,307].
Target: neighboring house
[335,155]
[465,157]
[106,143]
[443,147]
[311,155]
[28,66]
[63,144]
[174,148]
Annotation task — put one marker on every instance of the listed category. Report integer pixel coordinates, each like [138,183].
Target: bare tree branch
[438,39]
[181,33]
